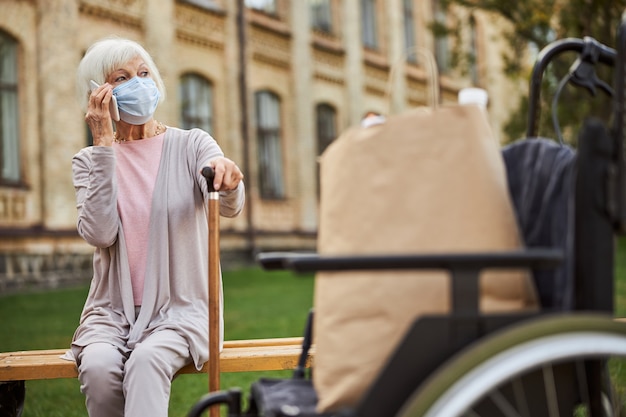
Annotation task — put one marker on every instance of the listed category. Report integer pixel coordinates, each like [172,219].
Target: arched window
[326,120]
[196,98]
[326,124]
[9,112]
[269,144]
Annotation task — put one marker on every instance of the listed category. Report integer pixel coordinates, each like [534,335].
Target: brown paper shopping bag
[426,181]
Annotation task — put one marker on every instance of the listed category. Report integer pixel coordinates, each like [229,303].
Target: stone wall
[24,272]
[21,272]
[39,246]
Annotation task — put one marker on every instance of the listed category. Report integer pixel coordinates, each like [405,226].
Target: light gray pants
[133,386]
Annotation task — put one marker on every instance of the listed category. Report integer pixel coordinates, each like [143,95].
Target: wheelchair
[554,362]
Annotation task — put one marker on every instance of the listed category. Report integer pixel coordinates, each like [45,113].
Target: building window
[321,15]
[326,122]
[196,98]
[442,53]
[9,112]
[270,160]
[267,6]
[409,31]
[368,21]
[326,118]
[204,4]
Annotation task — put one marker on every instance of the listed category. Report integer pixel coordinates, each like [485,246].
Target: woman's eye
[144,74]
[120,79]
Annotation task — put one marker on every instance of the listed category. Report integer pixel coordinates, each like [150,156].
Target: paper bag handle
[431,66]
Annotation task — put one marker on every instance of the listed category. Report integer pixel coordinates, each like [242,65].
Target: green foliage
[539,22]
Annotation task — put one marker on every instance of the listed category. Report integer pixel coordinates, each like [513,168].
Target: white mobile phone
[115,113]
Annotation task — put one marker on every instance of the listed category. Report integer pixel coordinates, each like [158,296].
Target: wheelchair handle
[594,51]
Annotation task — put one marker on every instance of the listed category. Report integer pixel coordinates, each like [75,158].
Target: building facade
[274,81]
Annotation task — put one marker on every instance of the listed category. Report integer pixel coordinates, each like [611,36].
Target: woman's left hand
[227,174]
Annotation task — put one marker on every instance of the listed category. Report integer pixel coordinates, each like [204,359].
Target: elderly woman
[141,198]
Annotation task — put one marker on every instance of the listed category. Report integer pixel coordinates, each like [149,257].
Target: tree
[539,22]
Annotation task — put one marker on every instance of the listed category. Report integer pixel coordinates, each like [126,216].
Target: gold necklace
[160,128]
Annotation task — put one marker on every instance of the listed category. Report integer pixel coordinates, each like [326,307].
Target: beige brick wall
[303,67]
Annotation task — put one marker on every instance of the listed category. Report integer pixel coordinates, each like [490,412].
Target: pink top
[137,164]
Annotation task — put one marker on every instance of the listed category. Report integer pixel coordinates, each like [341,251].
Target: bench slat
[237,356]
[280,341]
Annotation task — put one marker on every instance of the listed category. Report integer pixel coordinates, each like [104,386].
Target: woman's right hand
[98,117]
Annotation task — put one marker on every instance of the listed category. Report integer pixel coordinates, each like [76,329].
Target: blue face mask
[137,100]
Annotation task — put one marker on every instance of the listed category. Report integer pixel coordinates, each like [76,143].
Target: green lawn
[258,304]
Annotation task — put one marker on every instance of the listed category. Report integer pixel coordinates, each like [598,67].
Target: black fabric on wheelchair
[541,180]
[284,397]
[296,396]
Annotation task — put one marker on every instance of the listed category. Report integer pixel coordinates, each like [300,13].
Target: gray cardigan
[175,294]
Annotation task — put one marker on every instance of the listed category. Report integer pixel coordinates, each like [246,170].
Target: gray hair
[104,57]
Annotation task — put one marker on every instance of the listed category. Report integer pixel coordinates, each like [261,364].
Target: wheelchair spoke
[520,397]
[550,367]
[504,406]
[550,387]
[583,385]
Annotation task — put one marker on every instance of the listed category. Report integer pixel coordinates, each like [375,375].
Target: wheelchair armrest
[464,267]
[311,262]
[279,260]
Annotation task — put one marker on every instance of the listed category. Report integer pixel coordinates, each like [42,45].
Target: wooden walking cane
[213,217]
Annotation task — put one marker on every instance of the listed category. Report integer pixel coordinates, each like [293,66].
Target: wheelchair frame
[407,386]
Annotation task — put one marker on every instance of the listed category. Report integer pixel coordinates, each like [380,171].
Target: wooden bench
[237,356]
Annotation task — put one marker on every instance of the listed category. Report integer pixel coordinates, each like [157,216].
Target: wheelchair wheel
[556,366]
